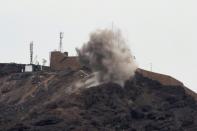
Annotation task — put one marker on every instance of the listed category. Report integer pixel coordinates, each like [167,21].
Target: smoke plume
[108,56]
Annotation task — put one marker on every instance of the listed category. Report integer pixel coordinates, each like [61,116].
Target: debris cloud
[108,56]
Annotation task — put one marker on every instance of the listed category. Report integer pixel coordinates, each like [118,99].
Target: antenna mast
[151,66]
[61,37]
[31,52]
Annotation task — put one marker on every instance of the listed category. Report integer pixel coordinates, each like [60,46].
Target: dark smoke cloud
[107,54]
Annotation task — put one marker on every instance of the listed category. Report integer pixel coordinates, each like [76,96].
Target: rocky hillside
[46,101]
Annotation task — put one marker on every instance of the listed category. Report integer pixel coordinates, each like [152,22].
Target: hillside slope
[46,101]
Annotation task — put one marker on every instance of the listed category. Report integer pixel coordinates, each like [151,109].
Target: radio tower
[61,37]
[31,52]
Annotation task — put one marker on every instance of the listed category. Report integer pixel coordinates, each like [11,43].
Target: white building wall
[28,68]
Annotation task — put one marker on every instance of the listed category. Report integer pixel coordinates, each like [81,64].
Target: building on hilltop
[61,61]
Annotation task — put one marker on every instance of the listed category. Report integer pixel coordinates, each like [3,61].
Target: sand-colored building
[61,61]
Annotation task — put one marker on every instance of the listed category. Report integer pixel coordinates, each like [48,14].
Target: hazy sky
[161,32]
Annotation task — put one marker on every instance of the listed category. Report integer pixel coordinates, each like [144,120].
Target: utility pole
[112,29]
[60,44]
[31,52]
[151,67]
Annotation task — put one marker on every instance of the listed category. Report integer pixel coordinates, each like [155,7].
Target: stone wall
[61,61]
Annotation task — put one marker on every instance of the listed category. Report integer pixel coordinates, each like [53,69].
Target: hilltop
[45,101]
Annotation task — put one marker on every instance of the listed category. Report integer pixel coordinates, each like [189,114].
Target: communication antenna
[61,37]
[112,28]
[151,67]
[31,52]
